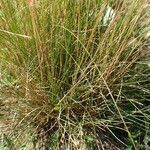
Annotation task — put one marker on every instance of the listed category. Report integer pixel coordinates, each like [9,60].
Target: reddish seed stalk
[32,7]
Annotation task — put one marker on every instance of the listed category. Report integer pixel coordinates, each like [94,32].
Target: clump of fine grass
[62,70]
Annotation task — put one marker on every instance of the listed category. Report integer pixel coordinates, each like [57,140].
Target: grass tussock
[70,79]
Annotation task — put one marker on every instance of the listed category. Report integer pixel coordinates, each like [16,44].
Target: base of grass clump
[69,77]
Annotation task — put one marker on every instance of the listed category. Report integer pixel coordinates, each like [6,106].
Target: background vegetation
[70,81]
